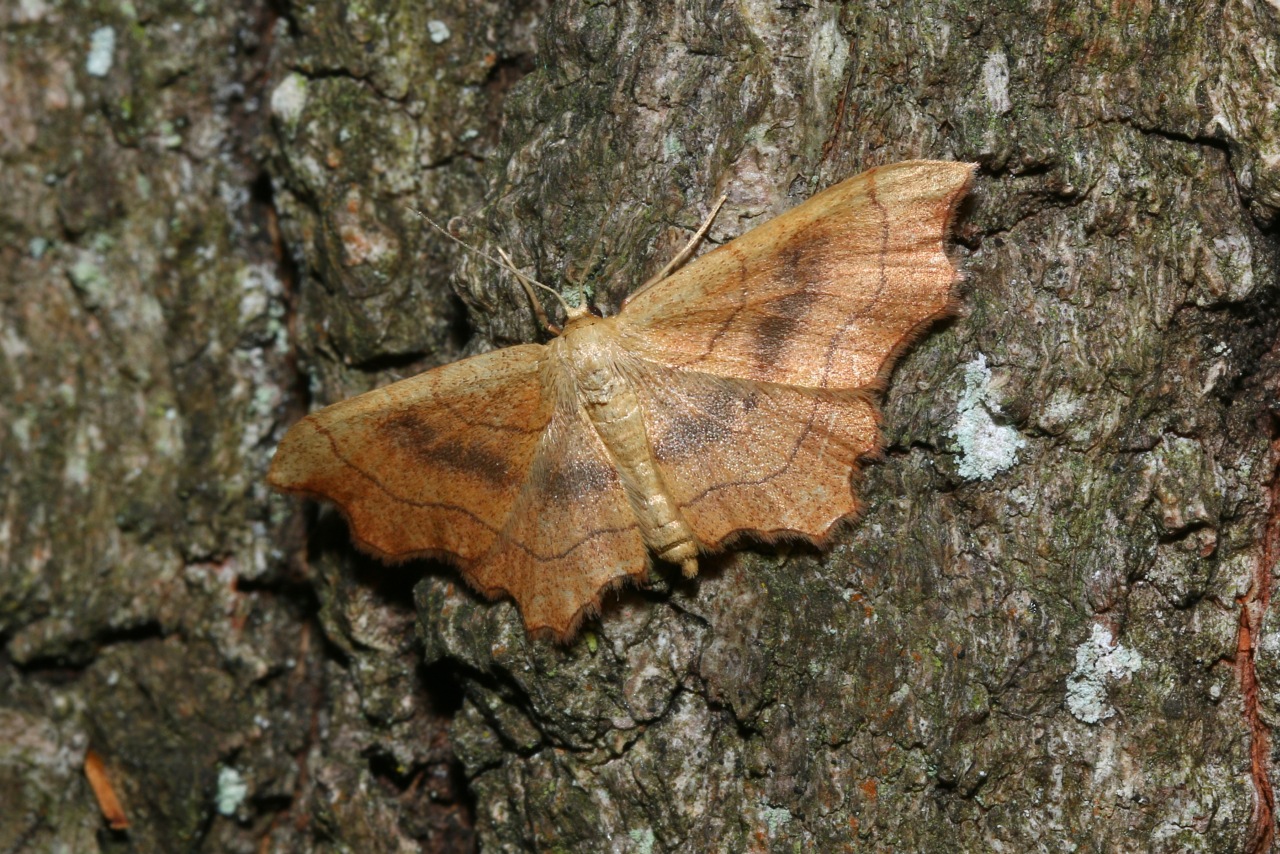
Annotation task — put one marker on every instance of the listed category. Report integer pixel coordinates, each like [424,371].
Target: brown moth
[731,397]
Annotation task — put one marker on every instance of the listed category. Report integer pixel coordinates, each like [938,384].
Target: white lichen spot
[1098,659]
[1058,415]
[995,79]
[1219,121]
[438,31]
[87,442]
[30,11]
[14,347]
[232,790]
[1270,644]
[20,429]
[65,393]
[76,470]
[986,448]
[289,98]
[1062,406]
[1235,264]
[672,147]
[1216,371]
[643,840]
[776,818]
[102,52]
[90,279]
[1268,193]
[260,290]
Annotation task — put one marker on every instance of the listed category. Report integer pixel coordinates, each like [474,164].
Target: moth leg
[683,254]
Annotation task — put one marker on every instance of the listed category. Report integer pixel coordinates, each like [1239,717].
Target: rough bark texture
[1052,626]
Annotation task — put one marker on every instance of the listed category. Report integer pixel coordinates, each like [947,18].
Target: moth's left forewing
[823,296]
[427,466]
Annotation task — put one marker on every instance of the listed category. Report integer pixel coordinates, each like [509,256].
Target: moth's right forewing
[823,296]
[430,465]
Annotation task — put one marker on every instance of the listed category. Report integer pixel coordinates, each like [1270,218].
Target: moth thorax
[592,365]
[597,384]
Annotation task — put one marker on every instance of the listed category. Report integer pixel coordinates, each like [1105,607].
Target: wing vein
[529,488]
[377,482]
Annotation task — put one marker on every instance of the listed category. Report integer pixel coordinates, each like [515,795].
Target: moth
[734,396]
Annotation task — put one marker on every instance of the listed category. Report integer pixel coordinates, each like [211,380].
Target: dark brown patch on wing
[409,431]
[568,479]
[476,460]
[706,418]
[415,437]
[781,318]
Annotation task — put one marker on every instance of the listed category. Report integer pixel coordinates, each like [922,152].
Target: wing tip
[288,471]
[965,172]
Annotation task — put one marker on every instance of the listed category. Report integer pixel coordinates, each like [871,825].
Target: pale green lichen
[986,448]
[289,98]
[643,839]
[20,429]
[776,818]
[102,50]
[672,147]
[1098,659]
[91,280]
[168,135]
[232,790]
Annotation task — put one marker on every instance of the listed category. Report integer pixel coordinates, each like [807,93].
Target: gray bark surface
[1051,628]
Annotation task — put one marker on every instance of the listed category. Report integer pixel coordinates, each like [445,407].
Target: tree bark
[1052,624]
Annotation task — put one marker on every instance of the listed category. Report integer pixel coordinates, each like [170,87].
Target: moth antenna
[528,285]
[525,281]
[683,254]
